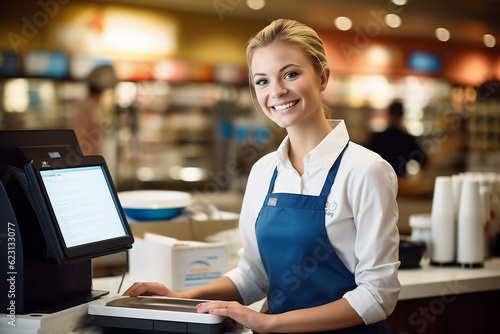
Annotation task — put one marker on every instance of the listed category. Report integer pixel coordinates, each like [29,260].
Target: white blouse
[360,217]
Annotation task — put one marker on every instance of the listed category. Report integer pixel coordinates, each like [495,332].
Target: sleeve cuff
[362,301]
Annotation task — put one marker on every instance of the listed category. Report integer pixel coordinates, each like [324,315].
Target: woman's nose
[278,90]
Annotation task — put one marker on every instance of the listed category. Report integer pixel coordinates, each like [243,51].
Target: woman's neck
[303,139]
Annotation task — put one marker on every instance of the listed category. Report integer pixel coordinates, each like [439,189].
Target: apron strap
[329,179]
[271,184]
[332,174]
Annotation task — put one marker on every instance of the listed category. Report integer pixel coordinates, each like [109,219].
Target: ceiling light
[489,40]
[256,4]
[393,20]
[343,23]
[442,34]
[399,2]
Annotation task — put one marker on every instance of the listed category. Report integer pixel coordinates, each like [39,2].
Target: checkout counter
[432,300]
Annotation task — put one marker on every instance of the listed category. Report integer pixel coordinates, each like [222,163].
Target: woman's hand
[239,313]
[149,289]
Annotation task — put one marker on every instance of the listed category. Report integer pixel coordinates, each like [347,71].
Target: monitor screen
[78,207]
[83,205]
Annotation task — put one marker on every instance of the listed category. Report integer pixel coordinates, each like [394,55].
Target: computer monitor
[76,205]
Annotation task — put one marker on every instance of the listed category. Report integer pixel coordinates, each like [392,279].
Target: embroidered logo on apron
[330,208]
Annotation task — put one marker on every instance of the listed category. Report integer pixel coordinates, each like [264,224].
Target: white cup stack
[443,227]
[471,222]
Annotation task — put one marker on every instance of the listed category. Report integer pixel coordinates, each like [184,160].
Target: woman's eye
[260,82]
[290,75]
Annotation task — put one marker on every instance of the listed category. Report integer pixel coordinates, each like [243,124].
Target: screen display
[424,62]
[83,203]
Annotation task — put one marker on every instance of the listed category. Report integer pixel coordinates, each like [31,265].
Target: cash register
[59,210]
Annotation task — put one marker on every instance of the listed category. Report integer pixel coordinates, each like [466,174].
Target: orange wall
[348,53]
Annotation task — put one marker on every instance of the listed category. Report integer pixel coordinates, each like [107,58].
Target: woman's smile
[284,106]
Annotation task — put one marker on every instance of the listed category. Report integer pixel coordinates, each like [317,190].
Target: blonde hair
[291,32]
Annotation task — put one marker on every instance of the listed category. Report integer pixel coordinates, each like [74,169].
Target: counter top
[433,281]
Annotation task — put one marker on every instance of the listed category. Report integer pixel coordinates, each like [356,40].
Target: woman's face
[286,85]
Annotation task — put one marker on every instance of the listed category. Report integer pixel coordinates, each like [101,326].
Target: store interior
[181,117]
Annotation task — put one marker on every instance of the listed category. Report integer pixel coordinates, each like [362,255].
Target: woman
[325,252]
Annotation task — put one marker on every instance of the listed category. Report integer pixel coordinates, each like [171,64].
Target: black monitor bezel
[50,225]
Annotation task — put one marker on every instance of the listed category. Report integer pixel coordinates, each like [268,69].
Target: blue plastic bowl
[152,214]
[150,205]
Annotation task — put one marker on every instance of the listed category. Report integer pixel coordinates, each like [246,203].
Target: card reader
[162,314]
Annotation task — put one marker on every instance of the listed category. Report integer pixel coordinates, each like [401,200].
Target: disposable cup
[471,220]
[443,230]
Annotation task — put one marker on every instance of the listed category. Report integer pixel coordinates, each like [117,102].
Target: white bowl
[147,205]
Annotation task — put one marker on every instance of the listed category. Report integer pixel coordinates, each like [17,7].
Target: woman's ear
[324,79]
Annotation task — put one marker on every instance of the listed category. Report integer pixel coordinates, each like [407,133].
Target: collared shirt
[360,216]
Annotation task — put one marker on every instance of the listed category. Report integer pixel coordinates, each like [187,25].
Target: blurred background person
[87,120]
[396,145]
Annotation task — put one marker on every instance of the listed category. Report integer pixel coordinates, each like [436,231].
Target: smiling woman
[318,219]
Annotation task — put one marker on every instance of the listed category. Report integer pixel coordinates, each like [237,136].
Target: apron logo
[330,208]
[272,201]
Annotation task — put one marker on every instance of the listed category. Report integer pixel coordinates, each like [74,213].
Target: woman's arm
[375,213]
[222,288]
[331,316]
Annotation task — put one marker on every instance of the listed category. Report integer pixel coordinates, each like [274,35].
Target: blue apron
[303,269]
